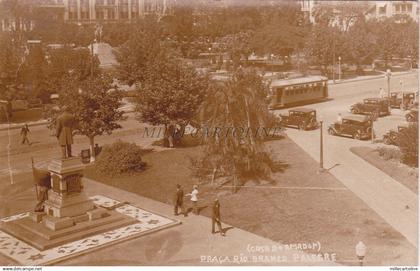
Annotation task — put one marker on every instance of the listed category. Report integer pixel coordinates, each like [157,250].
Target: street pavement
[390,199]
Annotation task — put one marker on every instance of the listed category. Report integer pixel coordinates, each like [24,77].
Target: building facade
[90,11]
[375,9]
[112,10]
[387,9]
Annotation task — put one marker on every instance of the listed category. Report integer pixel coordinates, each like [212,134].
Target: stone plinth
[66,197]
[69,215]
[42,237]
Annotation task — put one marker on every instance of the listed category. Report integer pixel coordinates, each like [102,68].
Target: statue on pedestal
[65,124]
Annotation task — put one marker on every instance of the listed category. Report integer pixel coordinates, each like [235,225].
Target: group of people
[179,206]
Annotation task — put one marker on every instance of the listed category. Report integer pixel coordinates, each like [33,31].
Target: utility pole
[333,63]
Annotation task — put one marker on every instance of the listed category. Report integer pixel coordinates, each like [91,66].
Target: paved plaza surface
[25,254]
[189,243]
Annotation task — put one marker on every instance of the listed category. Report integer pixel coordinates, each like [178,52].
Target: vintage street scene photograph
[209,133]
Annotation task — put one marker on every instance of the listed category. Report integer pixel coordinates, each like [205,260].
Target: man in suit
[65,124]
[179,200]
[215,218]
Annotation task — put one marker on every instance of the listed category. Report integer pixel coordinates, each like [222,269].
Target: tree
[238,153]
[95,104]
[323,45]
[282,41]
[11,60]
[170,94]
[360,45]
[408,141]
[387,39]
[141,48]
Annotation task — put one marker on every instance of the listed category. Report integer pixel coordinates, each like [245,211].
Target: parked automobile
[402,100]
[391,137]
[302,118]
[357,127]
[413,115]
[375,107]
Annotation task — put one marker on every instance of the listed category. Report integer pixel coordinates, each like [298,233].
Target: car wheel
[387,141]
[354,111]
[409,118]
[331,131]
[356,135]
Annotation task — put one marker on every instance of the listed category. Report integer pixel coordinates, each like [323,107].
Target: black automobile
[301,118]
[375,107]
[403,100]
[357,127]
[391,138]
[413,115]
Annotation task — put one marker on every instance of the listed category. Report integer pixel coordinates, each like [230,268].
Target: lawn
[302,206]
[32,114]
[400,172]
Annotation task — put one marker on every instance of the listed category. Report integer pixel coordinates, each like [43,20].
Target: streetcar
[297,91]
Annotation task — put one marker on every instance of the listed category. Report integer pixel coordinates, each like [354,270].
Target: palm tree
[234,114]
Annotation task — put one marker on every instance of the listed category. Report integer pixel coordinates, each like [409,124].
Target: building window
[100,14]
[397,8]
[403,8]
[111,14]
[134,11]
[123,9]
[382,10]
[409,7]
[147,6]
[417,11]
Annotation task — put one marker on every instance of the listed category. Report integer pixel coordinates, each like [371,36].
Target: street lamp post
[339,68]
[360,252]
[388,76]
[402,95]
[321,145]
[91,63]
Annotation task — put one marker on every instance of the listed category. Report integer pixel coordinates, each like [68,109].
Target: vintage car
[302,118]
[391,138]
[375,107]
[413,115]
[403,100]
[357,127]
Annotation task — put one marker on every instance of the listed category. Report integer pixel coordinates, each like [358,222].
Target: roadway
[390,199]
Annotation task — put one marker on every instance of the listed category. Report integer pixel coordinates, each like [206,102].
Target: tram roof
[297,81]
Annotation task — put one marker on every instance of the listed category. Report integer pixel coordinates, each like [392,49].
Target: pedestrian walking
[381,93]
[179,200]
[339,118]
[24,133]
[194,199]
[215,219]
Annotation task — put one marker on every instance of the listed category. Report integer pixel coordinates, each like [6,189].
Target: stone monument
[68,214]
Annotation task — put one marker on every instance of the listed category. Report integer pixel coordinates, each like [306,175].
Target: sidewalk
[190,243]
[395,203]
[369,77]
[5,126]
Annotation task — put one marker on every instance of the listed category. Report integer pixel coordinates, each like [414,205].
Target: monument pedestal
[69,215]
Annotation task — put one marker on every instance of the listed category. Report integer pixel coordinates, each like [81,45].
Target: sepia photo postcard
[209,133]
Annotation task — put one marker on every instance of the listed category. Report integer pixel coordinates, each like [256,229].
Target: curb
[14,126]
[330,82]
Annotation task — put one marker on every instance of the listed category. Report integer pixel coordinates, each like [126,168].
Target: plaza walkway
[190,243]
